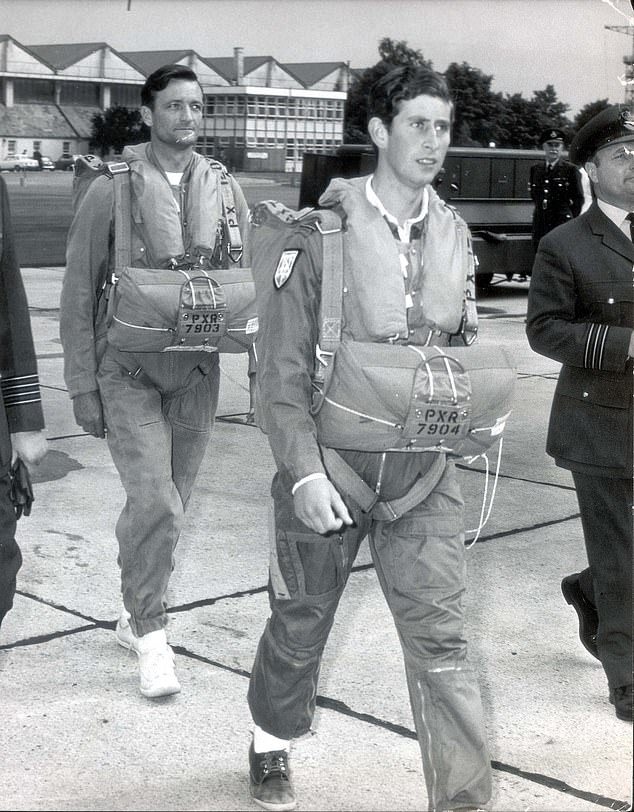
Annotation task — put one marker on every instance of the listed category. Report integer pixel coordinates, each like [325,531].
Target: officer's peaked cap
[551,134]
[610,126]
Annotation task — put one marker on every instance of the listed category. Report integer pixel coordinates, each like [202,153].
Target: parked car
[66,162]
[47,163]
[12,163]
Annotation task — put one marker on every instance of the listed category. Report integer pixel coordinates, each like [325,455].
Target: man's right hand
[89,413]
[319,505]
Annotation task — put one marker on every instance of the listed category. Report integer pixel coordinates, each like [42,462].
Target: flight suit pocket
[429,553]
[305,566]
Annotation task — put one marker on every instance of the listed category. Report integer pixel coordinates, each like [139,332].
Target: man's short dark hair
[401,84]
[161,78]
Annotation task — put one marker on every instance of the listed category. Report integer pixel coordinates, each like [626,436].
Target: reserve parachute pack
[185,307]
[386,396]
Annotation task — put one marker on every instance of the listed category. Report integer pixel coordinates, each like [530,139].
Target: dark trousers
[606,516]
[10,556]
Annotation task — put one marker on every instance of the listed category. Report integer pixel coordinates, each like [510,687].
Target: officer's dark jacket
[557,194]
[20,403]
[581,313]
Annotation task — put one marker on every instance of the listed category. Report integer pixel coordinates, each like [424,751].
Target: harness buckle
[323,231]
[112,168]
[321,355]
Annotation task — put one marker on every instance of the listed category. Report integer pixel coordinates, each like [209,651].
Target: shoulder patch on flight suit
[285,267]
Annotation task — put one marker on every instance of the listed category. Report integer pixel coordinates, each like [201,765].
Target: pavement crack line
[325,702]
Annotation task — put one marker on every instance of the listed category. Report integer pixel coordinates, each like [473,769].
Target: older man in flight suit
[156,409]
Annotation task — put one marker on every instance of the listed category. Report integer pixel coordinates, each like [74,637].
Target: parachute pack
[368,396]
[186,307]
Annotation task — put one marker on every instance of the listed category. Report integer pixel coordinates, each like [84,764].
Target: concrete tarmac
[76,733]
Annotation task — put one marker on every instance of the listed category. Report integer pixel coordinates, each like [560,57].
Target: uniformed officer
[555,187]
[21,415]
[581,314]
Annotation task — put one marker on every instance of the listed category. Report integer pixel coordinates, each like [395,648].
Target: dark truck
[488,186]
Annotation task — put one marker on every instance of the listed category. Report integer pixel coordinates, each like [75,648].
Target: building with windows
[259,114]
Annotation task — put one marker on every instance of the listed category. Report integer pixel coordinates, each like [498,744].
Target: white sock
[263,742]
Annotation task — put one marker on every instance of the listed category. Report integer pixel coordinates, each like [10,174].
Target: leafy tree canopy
[116,127]
[589,111]
[481,116]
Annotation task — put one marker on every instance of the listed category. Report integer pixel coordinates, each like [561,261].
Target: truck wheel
[483,280]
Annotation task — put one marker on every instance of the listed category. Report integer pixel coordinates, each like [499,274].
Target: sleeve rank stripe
[31,377]
[595,346]
[20,390]
[12,403]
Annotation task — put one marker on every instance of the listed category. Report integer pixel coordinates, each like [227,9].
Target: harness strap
[329,226]
[120,174]
[348,481]
[231,218]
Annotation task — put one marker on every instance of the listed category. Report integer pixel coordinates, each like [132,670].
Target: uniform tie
[630,217]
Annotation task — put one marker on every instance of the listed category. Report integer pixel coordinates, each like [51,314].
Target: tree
[392,54]
[477,109]
[481,116]
[116,127]
[517,121]
[399,53]
[550,112]
[523,120]
[589,111]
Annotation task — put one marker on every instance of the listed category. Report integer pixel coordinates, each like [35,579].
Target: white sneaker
[124,634]
[156,659]
[156,665]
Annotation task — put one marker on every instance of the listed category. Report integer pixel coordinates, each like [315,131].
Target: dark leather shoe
[586,611]
[621,698]
[270,780]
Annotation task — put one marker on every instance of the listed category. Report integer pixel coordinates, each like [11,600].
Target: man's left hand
[29,446]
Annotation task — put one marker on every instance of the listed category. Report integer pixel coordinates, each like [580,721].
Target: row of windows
[12,147]
[294,147]
[42,91]
[303,144]
[273,107]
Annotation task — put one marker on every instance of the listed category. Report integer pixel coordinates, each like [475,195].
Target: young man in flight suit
[395,224]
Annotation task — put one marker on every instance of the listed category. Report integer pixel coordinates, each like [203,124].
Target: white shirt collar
[617,216]
[403,230]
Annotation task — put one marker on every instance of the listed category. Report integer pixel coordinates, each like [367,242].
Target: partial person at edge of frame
[22,441]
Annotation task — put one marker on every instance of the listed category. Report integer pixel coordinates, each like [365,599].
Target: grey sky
[524,44]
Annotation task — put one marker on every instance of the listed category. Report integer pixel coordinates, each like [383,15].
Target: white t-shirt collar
[403,230]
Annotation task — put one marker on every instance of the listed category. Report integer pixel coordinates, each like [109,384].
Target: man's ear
[591,169]
[146,115]
[378,132]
